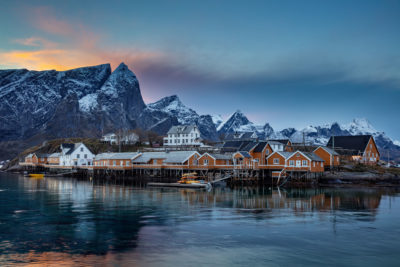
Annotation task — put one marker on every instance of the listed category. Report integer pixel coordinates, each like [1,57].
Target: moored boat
[36,175]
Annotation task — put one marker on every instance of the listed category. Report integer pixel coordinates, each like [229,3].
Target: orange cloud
[80,47]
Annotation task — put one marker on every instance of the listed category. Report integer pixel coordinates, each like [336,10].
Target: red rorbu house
[149,160]
[31,158]
[54,159]
[330,156]
[361,148]
[277,159]
[37,158]
[304,161]
[243,160]
[259,153]
[281,161]
[181,159]
[215,161]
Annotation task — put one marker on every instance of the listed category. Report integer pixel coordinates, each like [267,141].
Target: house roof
[329,150]
[178,156]
[42,155]
[356,143]
[260,146]
[70,147]
[181,129]
[147,156]
[54,155]
[282,141]
[312,156]
[285,154]
[125,155]
[221,156]
[240,136]
[274,142]
[245,154]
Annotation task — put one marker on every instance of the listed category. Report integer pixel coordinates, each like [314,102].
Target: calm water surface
[62,221]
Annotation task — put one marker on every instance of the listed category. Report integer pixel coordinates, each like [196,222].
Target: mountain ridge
[90,101]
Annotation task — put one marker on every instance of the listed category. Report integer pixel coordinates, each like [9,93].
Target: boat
[190,178]
[36,175]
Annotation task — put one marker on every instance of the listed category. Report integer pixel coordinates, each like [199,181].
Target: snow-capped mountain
[318,135]
[238,122]
[217,120]
[174,107]
[85,102]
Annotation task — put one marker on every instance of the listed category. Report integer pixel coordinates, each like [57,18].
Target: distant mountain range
[90,101]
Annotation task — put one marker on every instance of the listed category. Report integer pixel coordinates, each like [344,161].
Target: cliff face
[68,103]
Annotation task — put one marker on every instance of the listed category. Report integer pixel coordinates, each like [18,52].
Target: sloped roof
[147,156]
[240,136]
[103,156]
[273,142]
[54,155]
[221,156]
[356,143]
[282,141]
[181,129]
[260,146]
[245,154]
[42,155]
[247,147]
[329,150]
[178,156]
[285,154]
[125,155]
[312,156]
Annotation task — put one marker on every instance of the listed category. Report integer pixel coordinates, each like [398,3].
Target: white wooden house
[183,135]
[75,155]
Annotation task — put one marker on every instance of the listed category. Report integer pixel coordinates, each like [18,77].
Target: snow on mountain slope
[173,106]
[318,135]
[217,120]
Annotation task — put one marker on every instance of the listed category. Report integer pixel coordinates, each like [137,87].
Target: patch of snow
[88,102]
[217,119]
[396,142]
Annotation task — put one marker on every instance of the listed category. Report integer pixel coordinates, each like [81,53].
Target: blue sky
[289,63]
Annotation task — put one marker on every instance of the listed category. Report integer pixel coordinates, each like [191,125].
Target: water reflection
[51,219]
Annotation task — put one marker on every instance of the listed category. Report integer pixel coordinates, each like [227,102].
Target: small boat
[36,175]
[190,178]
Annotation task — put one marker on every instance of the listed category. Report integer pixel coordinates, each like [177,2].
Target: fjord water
[65,222]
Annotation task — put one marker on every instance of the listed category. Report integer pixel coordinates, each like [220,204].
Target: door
[298,163]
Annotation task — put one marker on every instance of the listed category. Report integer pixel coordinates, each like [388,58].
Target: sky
[289,63]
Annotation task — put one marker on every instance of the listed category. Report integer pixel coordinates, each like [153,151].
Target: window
[314,163]
[322,164]
[298,155]
[81,149]
[305,163]
[77,156]
[85,156]
[276,161]
[291,162]
[206,162]
[267,151]
[114,163]
[127,163]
